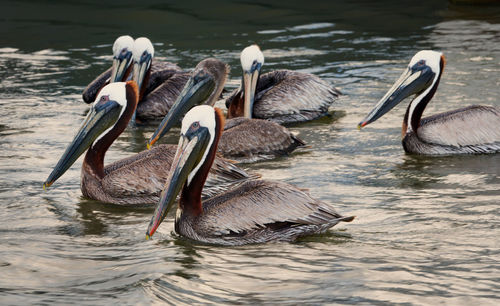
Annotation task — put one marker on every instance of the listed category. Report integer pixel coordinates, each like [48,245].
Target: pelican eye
[104,99]
[124,50]
[200,75]
[421,63]
[195,125]
[255,66]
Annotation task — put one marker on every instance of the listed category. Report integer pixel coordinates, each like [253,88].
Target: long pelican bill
[191,148]
[250,79]
[101,117]
[141,68]
[120,66]
[197,90]
[413,80]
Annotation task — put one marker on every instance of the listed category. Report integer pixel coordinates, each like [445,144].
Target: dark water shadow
[96,217]
[472,10]
[426,171]
[330,118]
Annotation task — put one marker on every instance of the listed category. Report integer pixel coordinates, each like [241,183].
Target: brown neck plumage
[190,201]
[145,83]
[237,106]
[127,73]
[220,75]
[95,155]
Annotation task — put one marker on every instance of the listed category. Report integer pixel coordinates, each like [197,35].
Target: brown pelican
[283,96]
[256,211]
[159,82]
[119,71]
[473,129]
[244,139]
[164,81]
[134,180]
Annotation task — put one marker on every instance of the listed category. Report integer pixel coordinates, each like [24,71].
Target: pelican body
[159,82]
[244,139]
[254,212]
[131,181]
[469,130]
[282,96]
[249,140]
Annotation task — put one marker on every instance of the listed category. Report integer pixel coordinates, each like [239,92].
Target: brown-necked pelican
[158,88]
[473,129]
[283,96]
[160,82]
[119,71]
[255,212]
[134,180]
[244,139]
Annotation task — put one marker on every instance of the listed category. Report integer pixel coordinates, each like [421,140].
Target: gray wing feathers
[160,72]
[142,174]
[158,102]
[294,94]
[259,203]
[470,126]
[225,175]
[252,138]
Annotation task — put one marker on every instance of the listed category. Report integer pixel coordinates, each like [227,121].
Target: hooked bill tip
[362,124]
[151,141]
[46,185]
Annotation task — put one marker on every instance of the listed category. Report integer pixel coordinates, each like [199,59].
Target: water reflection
[185,260]
[96,217]
[432,172]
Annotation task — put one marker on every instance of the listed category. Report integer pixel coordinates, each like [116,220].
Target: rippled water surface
[427,229]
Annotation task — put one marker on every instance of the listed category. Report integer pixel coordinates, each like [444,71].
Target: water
[427,229]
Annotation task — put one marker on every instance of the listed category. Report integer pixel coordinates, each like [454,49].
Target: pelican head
[203,87]
[419,78]
[200,130]
[122,57]
[252,60]
[104,115]
[143,56]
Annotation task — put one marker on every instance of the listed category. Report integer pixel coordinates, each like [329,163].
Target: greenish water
[427,229]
